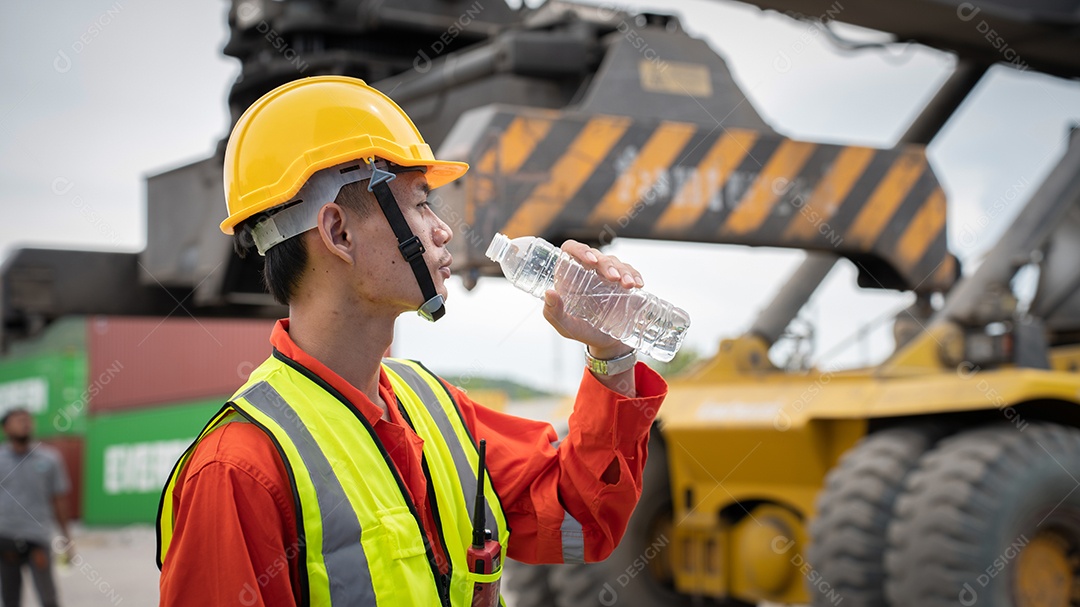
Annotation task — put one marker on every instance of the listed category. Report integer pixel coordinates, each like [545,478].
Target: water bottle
[635,317]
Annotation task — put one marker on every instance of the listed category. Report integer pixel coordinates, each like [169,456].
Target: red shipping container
[144,361]
[71,450]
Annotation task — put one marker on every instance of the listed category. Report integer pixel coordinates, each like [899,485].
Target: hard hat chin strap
[410,246]
[301,214]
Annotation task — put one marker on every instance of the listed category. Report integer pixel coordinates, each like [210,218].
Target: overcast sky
[100,93]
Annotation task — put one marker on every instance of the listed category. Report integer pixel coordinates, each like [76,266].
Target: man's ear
[334,232]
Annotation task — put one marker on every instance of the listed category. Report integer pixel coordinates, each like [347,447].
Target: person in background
[33,489]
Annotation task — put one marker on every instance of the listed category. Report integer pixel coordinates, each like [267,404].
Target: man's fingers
[606,266]
[615,270]
[583,253]
[551,299]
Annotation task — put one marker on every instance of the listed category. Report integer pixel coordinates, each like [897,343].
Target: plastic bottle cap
[499,247]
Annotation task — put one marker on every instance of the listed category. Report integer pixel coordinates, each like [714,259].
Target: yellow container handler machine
[947,475]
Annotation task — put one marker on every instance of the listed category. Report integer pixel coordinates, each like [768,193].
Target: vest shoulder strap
[438,412]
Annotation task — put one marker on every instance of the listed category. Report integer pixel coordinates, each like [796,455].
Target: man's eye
[424,204]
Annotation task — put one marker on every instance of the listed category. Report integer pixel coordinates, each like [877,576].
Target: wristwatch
[612,366]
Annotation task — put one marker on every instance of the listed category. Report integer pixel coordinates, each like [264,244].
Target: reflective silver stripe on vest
[346,563]
[457,452]
[573,540]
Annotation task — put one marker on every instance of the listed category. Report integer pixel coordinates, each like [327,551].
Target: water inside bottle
[531,269]
[635,317]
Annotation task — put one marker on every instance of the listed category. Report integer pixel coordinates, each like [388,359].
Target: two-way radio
[484,552]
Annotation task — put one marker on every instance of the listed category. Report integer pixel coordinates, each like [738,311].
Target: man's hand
[63,543]
[600,345]
[64,547]
[609,268]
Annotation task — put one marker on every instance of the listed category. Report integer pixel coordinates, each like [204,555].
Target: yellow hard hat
[311,124]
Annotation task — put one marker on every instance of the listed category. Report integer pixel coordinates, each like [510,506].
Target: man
[32,501]
[335,477]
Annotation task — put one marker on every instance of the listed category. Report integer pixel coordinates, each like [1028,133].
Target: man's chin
[442,288]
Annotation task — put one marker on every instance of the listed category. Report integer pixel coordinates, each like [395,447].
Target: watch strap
[611,366]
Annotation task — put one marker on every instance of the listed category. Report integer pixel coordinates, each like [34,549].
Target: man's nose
[443,233]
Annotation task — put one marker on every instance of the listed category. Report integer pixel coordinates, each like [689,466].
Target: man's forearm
[60,508]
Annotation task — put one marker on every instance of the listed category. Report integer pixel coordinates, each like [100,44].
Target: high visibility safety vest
[359,534]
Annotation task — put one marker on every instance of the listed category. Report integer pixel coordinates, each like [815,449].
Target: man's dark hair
[284,263]
[10,413]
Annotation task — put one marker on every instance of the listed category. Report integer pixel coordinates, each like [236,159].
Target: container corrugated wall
[51,386]
[139,362]
[72,450]
[129,456]
[117,381]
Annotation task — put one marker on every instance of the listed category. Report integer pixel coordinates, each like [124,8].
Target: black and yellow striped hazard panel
[594,178]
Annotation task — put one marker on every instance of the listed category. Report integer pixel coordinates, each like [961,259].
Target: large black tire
[848,534]
[527,585]
[972,507]
[619,580]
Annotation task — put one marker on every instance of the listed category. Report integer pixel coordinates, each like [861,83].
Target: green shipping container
[129,456]
[78,366]
[47,376]
[51,386]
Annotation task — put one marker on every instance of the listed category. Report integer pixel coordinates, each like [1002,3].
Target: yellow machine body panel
[749,447]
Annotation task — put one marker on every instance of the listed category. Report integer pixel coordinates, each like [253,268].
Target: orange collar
[280,339]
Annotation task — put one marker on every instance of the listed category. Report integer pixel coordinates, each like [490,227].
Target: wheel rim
[1046,571]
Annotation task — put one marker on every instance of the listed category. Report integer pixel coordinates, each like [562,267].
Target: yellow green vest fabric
[360,535]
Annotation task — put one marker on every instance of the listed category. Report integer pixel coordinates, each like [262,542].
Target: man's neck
[349,343]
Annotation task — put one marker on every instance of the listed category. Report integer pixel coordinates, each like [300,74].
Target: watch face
[610,367]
